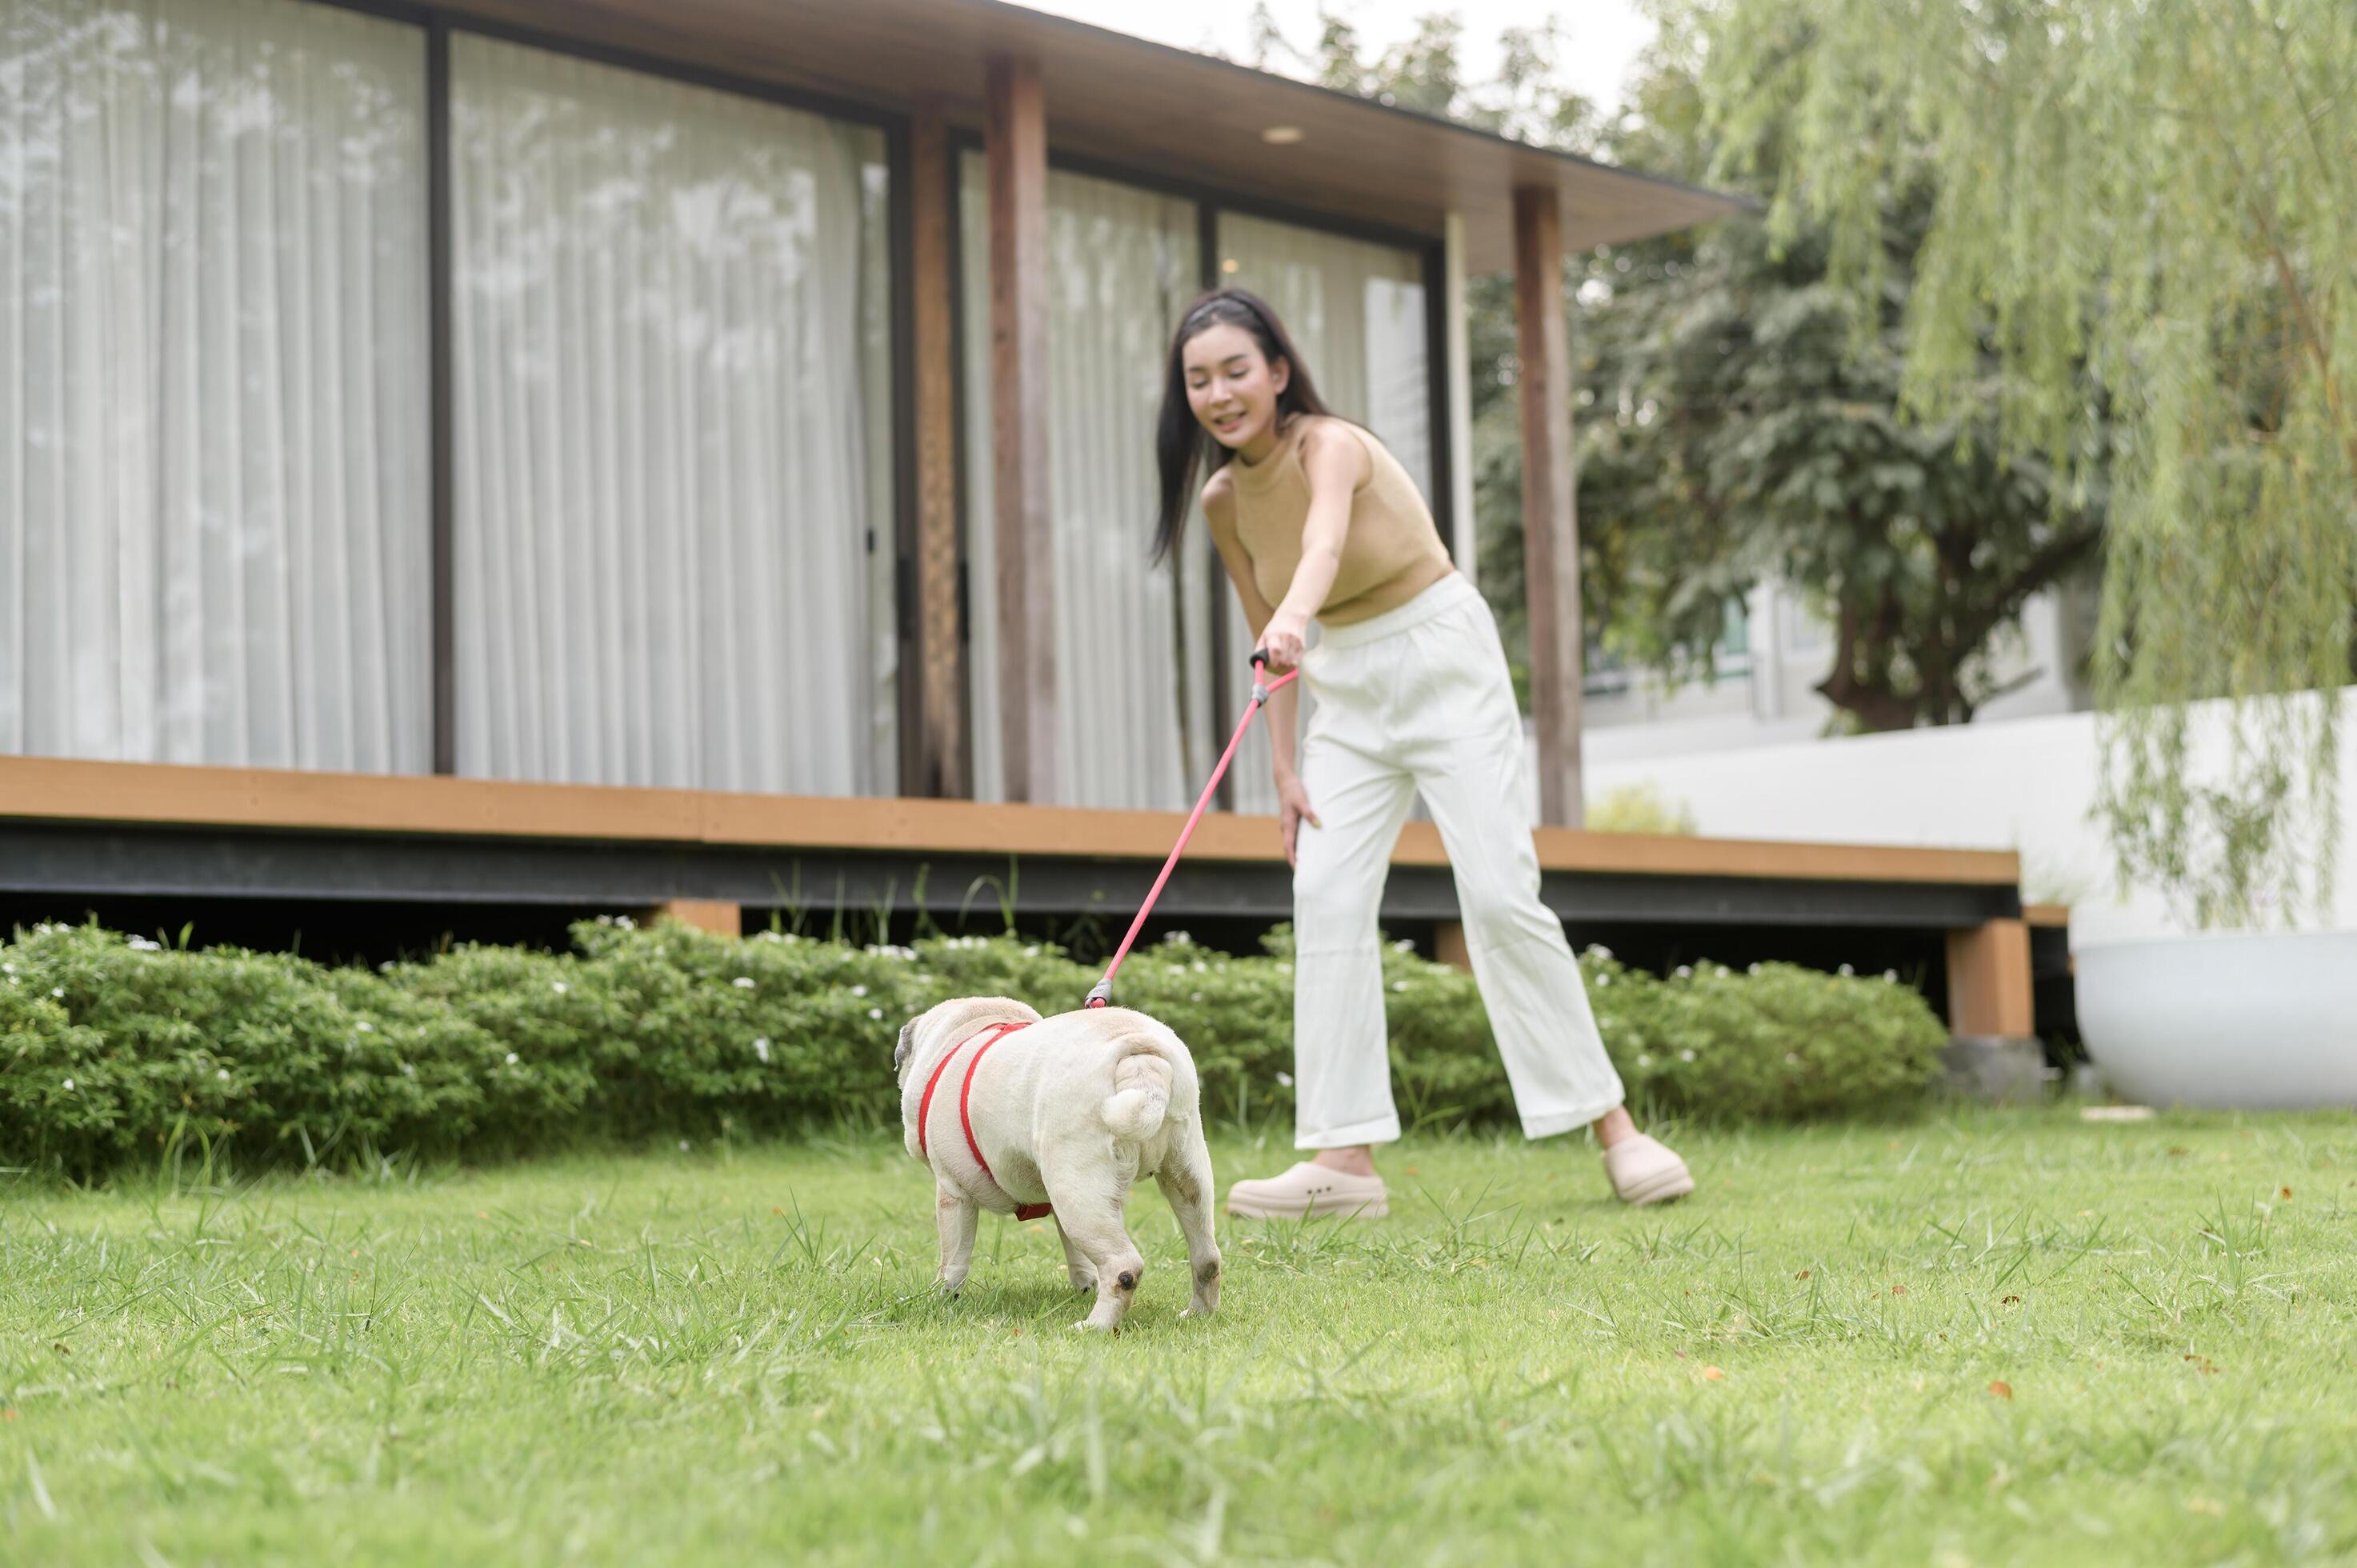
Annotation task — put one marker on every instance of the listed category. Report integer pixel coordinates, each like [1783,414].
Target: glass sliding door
[1130,694]
[215,542]
[674,533]
[1356,313]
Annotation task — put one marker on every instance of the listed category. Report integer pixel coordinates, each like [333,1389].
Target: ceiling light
[1281,135]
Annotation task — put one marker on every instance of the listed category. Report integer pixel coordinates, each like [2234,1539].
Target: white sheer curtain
[1355,312]
[670,502]
[214,536]
[1130,721]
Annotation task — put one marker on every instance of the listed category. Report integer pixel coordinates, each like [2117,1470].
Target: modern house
[656,455]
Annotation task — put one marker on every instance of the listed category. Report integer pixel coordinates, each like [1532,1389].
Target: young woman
[1315,520]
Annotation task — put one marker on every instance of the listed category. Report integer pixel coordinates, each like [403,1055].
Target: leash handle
[1101,994]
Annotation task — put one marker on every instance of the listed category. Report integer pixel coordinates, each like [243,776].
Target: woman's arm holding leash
[1284,706]
[1335,465]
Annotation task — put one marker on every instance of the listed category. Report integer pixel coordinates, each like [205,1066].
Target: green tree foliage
[1736,419]
[2147,209]
[1425,72]
[1747,426]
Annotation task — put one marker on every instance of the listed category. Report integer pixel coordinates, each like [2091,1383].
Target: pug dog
[1016,1113]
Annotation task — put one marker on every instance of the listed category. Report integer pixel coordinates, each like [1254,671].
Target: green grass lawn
[1978,1338]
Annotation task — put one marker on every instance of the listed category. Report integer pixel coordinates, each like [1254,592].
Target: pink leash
[1101,992]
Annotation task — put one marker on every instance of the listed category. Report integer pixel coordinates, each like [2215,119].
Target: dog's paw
[1087,1325]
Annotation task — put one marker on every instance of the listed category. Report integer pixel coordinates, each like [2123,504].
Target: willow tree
[2148,210]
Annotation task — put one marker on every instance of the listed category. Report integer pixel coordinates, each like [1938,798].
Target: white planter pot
[2247,1021]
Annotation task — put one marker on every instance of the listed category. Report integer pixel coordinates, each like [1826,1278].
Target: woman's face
[1231,386]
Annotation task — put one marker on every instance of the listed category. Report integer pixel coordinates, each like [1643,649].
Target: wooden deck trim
[2053,916]
[1991,992]
[717,916]
[65,789]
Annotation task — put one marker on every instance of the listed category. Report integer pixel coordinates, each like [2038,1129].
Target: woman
[1314,519]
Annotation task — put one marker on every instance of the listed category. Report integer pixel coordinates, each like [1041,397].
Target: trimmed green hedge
[114,1050]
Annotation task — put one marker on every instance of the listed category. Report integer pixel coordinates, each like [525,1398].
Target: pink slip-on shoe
[1644,1170]
[1308,1191]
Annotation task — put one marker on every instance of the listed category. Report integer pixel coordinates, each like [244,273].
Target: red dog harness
[965,1112]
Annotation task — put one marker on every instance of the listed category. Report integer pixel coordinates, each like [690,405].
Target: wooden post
[1460,390]
[942,768]
[1448,945]
[440,408]
[1550,521]
[717,916]
[1015,148]
[1988,982]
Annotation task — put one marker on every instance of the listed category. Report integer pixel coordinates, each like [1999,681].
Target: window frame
[436,27]
[438,24]
[1210,202]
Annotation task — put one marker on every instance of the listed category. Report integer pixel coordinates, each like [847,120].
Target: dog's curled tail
[1142,1082]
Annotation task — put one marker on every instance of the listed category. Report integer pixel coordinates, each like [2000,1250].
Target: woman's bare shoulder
[1219,496]
[1335,446]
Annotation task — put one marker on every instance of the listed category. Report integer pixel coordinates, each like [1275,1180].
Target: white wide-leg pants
[1418,699]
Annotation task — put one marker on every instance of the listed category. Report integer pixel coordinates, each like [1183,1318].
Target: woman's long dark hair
[1182,444]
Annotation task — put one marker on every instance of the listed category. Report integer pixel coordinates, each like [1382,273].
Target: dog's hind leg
[1186,1181]
[957,1217]
[1089,1198]
[1084,1273]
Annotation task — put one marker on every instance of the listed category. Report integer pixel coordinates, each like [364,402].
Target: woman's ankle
[1357,1160]
[1613,1126]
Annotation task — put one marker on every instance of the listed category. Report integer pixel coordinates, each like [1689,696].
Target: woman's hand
[1281,640]
[1293,808]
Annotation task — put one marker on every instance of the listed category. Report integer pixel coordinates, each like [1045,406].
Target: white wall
[2026,785]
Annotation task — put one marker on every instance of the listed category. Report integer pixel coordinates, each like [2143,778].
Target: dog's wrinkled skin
[1071,1111]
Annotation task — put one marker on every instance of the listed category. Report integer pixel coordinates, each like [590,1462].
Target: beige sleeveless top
[1391,554]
